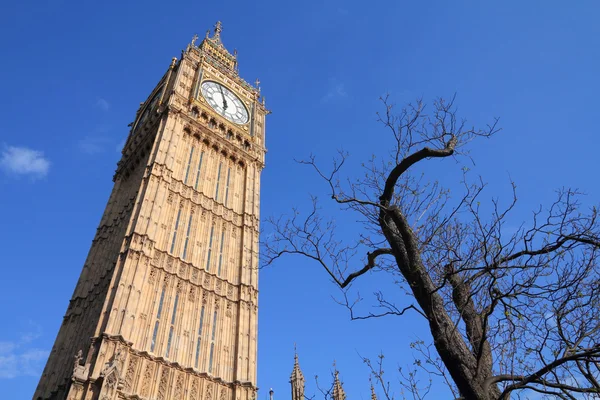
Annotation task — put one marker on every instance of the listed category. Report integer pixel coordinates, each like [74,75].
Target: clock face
[223,101]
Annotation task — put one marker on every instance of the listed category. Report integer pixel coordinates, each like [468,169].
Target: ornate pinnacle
[194,38]
[373,395]
[218,29]
[338,390]
[296,372]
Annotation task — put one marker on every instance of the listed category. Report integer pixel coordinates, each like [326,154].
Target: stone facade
[166,304]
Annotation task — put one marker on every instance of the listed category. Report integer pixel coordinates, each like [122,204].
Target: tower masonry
[166,303]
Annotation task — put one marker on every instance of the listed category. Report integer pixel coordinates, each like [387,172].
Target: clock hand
[224,101]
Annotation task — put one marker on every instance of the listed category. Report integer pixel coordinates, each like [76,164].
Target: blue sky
[73,75]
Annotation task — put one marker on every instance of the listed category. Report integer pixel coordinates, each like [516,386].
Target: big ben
[166,303]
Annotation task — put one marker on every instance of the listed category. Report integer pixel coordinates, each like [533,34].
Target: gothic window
[198,171]
[175,231]
[218,181]
[229,134]
[227,186]
[221,252]
[187,238]
[172,327]
[187,170]
[209,251]
[212,343]
[199,340]
[195,112]
[212,123]
[157,323]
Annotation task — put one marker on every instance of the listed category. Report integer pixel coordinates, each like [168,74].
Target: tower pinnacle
[373,395]
[297,379]
[338,390]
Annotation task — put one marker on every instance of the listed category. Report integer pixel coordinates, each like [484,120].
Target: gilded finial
[173,61]
[218,29]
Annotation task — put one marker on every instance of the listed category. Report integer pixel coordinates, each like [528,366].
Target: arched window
[198,171]
[221,252]
[172,328]
[209,250]
[175,231]
[199,339]
[212,343]
[187,238]
[158,314]
[187,170]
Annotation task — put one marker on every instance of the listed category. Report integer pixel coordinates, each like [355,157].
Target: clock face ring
[225,102]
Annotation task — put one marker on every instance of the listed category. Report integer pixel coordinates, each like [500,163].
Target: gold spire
[216,52]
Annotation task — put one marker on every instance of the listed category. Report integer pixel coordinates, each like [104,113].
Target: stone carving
[194,389]
[152,276]
[192,295]
[162,385]
[78,358]
[147,380]
[208,394]
[118,358]
[183,270]
[129,375]
[223,394]
[178,395]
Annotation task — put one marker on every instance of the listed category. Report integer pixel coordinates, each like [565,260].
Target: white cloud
[27,362]
[93,144]
[24,161]
[336,90]
[103,104]
[17,359]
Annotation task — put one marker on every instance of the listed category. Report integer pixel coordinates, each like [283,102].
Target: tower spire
[338,390]
[297,379]
[373,395]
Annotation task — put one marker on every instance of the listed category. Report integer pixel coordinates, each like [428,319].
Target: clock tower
[166,304]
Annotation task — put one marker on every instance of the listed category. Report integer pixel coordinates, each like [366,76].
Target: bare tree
[509,310]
